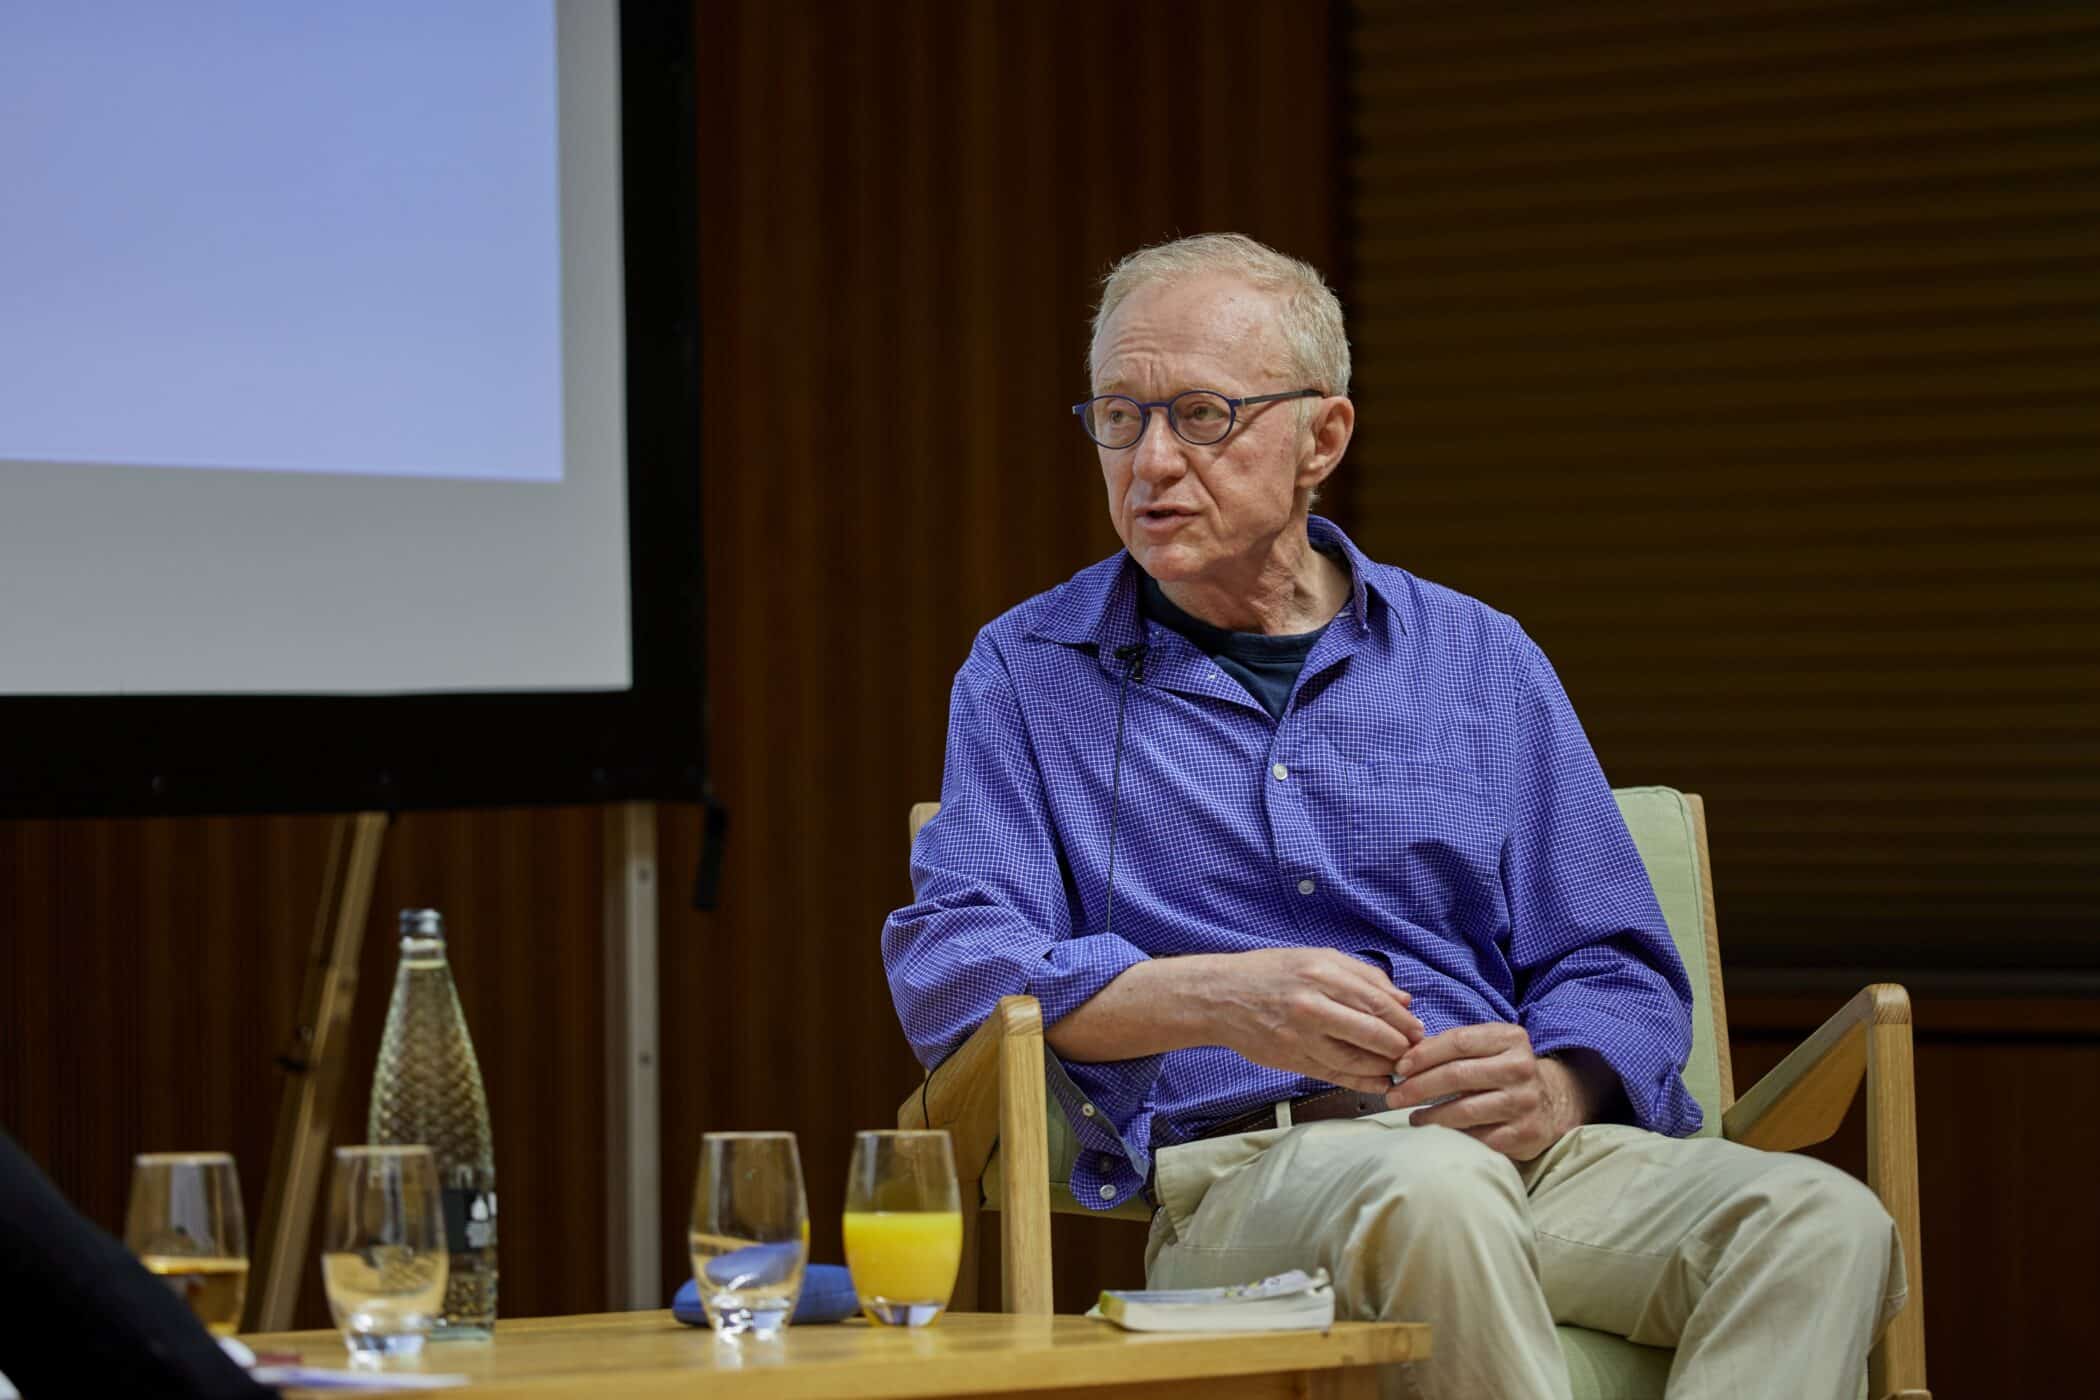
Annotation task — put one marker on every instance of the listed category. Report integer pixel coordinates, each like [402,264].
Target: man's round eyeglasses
[1198,417]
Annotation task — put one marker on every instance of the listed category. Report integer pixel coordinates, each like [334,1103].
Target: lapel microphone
[1133,658]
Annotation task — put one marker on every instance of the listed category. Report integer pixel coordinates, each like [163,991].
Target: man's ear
[1333,424]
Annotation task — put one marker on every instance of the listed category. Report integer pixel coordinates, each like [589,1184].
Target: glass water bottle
[428,1090]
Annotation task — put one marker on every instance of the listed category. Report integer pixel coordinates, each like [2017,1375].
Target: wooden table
[650,1354]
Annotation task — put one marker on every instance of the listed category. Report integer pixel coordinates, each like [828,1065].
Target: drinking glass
[185,1224]
[750,1233]
[903,1225]
[383,1259]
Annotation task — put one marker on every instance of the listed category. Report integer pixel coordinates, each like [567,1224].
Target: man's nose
[1157,452]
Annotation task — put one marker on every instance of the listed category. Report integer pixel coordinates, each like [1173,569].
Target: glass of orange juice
[903,1225]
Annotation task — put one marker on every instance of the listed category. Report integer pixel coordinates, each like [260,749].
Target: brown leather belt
[1313,1108]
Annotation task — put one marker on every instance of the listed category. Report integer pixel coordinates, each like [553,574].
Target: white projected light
[311,330]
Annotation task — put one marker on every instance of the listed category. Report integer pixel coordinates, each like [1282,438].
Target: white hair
[1309,315]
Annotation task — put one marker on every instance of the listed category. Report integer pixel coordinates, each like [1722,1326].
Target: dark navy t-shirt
[1267,666]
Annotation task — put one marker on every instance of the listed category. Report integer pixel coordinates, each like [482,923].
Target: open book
[1293,1300]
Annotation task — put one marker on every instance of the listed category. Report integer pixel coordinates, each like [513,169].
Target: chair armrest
[962,1095]
[989,1095]
[1802,1101]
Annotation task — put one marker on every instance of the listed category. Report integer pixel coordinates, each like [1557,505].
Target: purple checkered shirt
[1428,803]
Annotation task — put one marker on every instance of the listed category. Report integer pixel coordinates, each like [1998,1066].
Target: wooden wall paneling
[153,970]
[522,892]
[1747,354]
[26,953]
[903,219]
[145,969]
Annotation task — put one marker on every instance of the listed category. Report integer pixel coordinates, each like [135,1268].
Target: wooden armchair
[1015,1156]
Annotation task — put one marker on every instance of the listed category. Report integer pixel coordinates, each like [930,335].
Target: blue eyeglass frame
[1145,407]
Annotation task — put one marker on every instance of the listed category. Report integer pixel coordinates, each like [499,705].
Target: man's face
[1188,513]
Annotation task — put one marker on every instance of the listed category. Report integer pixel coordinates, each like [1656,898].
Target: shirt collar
[1099,604]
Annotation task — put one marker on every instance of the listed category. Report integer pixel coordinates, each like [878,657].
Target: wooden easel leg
[633,1142]
[314,1070]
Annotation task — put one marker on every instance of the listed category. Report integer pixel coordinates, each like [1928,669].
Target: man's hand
[1309,1011]
[1507,1096]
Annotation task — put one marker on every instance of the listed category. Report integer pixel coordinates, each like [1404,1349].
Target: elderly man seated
[1344,953]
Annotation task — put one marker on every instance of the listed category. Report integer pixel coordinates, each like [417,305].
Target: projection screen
[349,405]
[311,379]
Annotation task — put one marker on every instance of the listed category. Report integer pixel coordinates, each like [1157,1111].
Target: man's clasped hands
[1330,1016]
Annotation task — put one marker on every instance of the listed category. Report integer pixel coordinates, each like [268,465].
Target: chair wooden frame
[990,1096]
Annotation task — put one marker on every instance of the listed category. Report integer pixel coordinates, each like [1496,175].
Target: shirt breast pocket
[1424,843]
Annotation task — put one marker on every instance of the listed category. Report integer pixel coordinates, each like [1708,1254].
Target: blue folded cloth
[827,1289]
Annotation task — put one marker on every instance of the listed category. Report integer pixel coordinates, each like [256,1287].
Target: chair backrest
[1669,830]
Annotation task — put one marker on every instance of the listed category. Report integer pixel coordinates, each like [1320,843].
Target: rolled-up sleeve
[991,918]
[1594,962]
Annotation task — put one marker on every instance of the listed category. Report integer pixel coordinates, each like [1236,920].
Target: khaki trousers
[1769,1273]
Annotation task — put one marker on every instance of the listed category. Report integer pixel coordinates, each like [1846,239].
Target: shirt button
[1086,1110]
[1108,1164]
[1108,1193]
[1306,887]
[1280,771]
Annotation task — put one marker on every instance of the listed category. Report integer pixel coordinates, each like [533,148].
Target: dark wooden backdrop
[150,974]
[904,210]
[1749,353]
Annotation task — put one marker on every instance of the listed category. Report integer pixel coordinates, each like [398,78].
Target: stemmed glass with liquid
[184,1223]
[750,1231]
[903,1225]
[384,1259]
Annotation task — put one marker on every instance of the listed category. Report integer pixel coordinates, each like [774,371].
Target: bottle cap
[422,923]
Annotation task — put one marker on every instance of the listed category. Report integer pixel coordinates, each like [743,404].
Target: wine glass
[185,1224]
[903,1225]
[383,1259]
[750,1231]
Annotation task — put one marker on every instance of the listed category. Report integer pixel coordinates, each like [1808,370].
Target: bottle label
[470,1218]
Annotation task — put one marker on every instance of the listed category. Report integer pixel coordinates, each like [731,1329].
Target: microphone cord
[1133,656]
